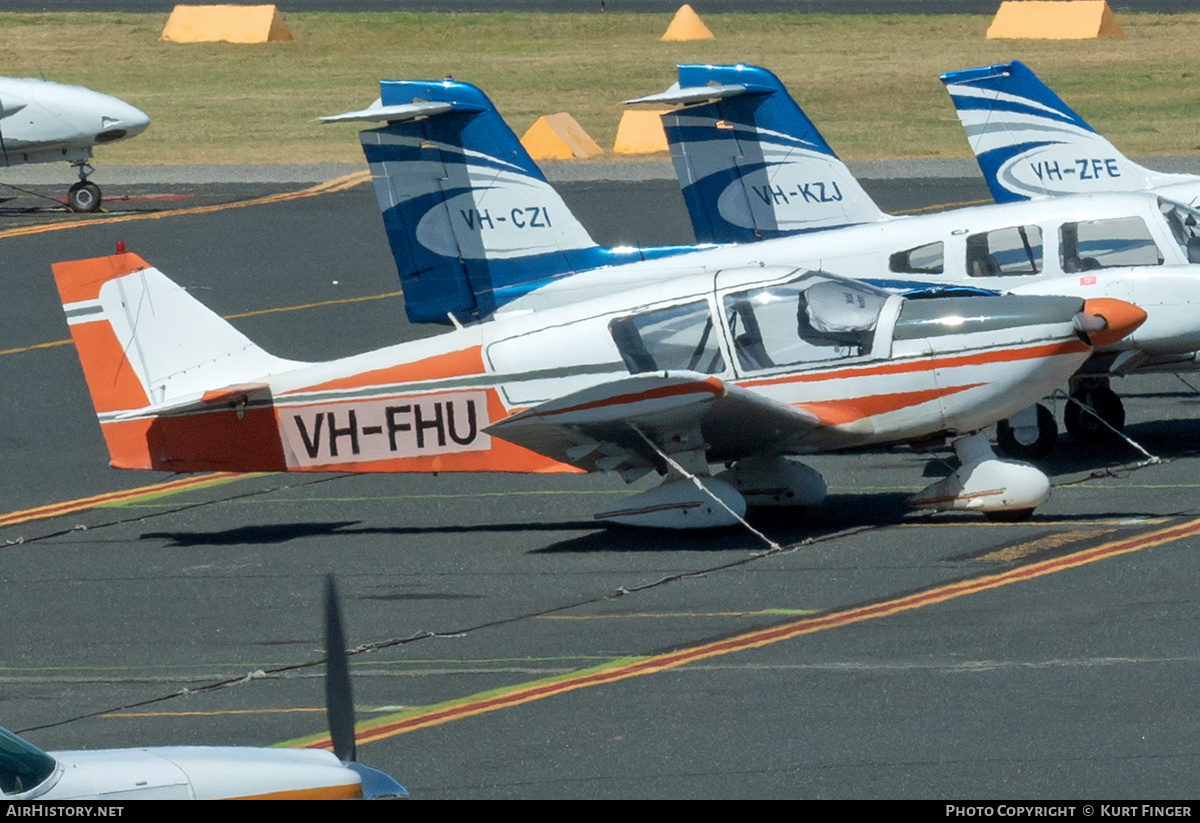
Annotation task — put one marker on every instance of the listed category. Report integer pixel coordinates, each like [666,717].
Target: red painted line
[66,507]
[764,637]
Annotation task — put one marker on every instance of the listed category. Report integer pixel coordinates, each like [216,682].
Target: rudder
[751,164]
[150,352]
[1029,143]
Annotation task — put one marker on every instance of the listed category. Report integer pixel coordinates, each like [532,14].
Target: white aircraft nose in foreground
[44,122]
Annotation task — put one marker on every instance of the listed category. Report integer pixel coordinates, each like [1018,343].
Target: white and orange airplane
[744,367]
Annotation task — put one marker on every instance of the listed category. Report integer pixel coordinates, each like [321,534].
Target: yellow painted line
[629,667]
[49,345]
[1126,521]
[338,184]
[120,497]
[342,183]
[1053,541]
[338,302]
[319,304]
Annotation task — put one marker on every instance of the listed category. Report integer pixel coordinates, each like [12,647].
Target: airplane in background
[45,122]
[737,367]
[1029,143]
[209,772]
[753,166]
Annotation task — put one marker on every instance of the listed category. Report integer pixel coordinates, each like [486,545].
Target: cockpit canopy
[814,317]
[22,764]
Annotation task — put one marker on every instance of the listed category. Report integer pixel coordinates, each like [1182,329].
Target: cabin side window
[927,259]
[672,339]
[1185,227]
[812,319]
[1103,244]
[1004,252]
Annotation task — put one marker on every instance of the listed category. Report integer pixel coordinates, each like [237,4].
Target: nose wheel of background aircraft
[84,197]
[1084,426]
[1028,434]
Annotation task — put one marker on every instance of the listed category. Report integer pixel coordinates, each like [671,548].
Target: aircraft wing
[597,429]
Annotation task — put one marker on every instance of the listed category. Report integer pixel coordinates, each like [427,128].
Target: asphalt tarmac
[517,649]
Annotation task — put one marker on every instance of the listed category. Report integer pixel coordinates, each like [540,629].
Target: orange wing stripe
[921,364]
[840,412]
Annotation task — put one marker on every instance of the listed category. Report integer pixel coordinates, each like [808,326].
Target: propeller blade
[339,698]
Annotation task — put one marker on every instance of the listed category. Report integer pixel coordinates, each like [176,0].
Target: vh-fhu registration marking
[357,432]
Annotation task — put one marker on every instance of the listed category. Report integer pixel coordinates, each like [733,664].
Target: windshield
[22,764]
[810,319]
[1185,227]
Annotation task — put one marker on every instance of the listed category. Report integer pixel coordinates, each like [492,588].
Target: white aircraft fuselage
[43,122]
[739,366]
[1161,281]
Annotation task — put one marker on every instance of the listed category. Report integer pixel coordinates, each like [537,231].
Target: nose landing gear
[84,196]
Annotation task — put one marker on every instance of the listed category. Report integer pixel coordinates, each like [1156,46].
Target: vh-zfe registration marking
[336,433]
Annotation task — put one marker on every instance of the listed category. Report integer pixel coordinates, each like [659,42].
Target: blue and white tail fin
[470,218]
[1029,143]
[751,164]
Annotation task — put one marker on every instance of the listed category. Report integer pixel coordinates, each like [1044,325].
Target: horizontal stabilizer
[235,397]
[678,96]
[380,113]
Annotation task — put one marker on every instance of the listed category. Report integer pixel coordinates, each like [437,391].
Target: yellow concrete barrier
[641,132]
[231,24]
[1053,20]
[687,25]
[559,137]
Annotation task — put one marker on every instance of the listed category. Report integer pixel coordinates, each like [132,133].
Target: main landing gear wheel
[1027,442]
[1083,425]
[84,197]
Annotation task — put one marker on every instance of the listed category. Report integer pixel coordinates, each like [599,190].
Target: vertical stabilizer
[1029,143]
[151,351]
[470,218]
[751,164]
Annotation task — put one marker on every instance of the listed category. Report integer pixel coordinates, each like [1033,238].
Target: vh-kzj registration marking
[357,432]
